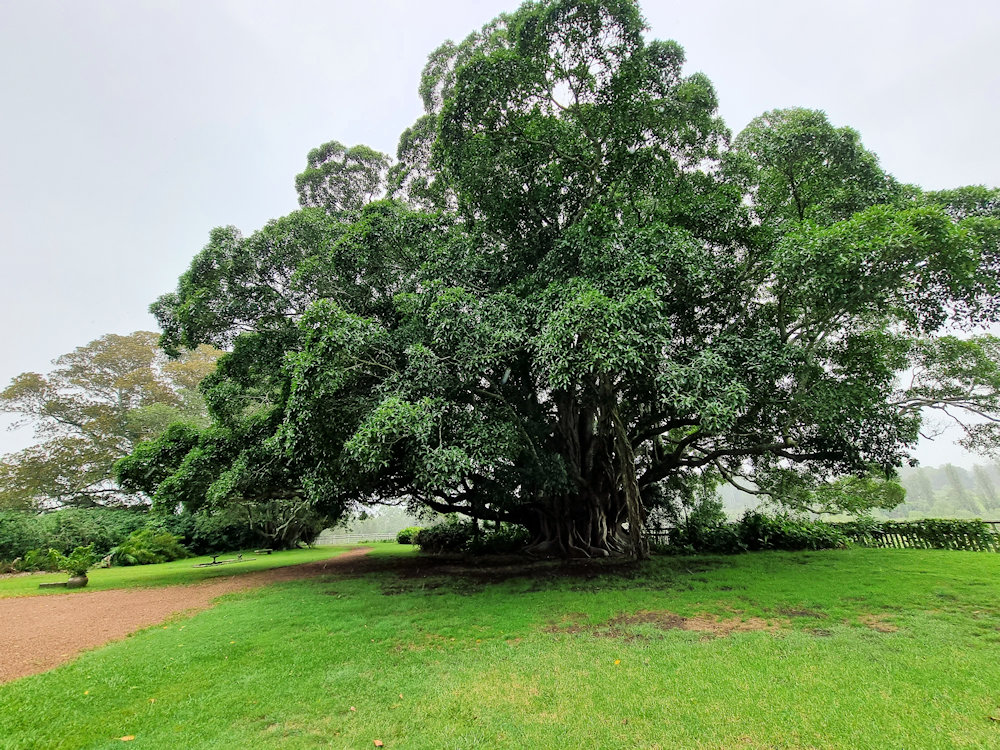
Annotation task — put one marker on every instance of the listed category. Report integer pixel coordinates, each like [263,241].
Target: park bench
[217,561]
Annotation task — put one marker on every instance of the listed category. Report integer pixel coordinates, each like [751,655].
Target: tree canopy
[579,295]
[98,403]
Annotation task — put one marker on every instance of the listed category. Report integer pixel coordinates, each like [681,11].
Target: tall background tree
[583,297]
[95,406]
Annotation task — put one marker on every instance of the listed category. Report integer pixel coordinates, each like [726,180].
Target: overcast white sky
[130,128]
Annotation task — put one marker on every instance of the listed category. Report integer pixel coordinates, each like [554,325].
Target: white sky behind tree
[130,128]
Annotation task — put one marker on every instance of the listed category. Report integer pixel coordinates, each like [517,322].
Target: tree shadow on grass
[457,574]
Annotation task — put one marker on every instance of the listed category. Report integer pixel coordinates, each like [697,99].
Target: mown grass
[866,649]
[165,574]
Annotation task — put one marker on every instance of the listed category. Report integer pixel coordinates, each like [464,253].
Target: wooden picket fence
[928,533]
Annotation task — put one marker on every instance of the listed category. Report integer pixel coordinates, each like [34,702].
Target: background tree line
[950,492]
[946,491]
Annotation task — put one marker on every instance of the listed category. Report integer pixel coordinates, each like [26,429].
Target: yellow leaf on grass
[618,661]
[127,738]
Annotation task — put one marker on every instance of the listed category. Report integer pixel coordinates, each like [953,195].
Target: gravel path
[38,633]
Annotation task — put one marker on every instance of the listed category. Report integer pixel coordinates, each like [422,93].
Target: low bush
[505,540]
[408,535]
[753,532]
[147,547]
[38,559]
[77,563]
[450,536]
[759,532]
[462,536]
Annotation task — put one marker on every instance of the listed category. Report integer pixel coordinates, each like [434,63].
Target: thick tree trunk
[589,520]
[630,487]
[586,525]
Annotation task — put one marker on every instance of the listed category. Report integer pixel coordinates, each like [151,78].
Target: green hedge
[147,547]
[754,532]
[408,535]
[460,536]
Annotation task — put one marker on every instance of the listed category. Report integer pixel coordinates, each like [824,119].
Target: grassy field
[841,649]
[179,571]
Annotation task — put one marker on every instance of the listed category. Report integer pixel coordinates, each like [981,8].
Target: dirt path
[38,633]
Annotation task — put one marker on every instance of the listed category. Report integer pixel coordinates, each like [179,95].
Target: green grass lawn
[842,649]
[179,571]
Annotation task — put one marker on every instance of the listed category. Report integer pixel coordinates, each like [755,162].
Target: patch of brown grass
[878,622]
[711,625]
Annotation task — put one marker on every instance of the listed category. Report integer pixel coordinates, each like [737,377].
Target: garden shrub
[148,546]
[760,532]
[700,526]
[753,532]
[505,540]
[451,536]
[78,562]
[408,535]
[461,536]
[39,559]
[208,532]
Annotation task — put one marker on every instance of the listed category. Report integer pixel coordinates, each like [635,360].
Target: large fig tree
[579,296]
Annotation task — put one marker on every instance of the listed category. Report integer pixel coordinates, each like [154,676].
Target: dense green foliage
[76,563]
[408,535]
[107,529]
[451,536]
[147,547]
[38,560]
[66,529]
[234,468]
[578,297]
[205,533]
[98,403]
[562,659]
[457,536]
[79,561]
[754,532]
